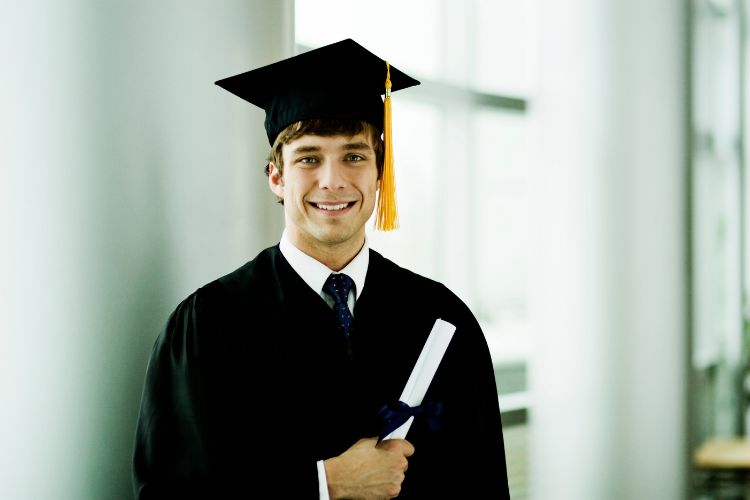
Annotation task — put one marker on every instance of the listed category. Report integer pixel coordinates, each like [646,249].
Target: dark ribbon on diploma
[393,415]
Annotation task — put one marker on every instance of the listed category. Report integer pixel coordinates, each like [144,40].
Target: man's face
[329,188]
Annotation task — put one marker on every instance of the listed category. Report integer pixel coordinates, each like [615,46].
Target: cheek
[372,180]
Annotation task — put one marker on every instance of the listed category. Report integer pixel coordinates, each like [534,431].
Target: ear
[275,180]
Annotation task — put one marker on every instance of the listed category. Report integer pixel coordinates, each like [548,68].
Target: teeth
[332,207]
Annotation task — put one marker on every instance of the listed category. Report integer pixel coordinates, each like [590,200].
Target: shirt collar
[315,273]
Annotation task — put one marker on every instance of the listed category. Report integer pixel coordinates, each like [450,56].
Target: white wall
[609,367]
[128,180]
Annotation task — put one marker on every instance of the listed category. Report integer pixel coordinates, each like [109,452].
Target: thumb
[401,445]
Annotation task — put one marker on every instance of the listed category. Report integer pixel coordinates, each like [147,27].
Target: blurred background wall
[547,174]
[609,363]
[128,180]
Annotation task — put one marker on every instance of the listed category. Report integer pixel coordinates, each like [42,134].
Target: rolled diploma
[424,369]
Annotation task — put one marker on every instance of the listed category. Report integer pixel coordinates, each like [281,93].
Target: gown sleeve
[192,440]
[466,458]
[490,476]
[486,474]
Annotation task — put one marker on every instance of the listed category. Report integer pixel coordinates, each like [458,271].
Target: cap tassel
[387,218]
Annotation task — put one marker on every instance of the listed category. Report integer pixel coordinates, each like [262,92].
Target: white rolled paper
[424,370]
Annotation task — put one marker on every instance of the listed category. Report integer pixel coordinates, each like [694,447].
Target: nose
[331,176]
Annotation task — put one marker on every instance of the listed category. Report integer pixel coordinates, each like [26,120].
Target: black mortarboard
[342,80]
[338,81]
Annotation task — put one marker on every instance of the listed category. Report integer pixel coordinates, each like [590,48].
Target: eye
[354,157]
[307,160]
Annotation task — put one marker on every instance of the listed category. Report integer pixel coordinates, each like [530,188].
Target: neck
[336,261]
[334,256]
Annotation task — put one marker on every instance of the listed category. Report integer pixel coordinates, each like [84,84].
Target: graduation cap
[339,81]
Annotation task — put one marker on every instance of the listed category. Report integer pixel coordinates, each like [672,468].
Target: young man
[272,381]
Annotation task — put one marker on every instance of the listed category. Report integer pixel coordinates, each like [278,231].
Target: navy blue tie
[338,287]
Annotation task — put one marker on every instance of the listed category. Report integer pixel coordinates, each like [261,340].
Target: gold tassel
[387,218]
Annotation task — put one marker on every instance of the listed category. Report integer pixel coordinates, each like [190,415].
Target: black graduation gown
[250,384]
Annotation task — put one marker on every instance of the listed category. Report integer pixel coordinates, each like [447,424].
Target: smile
[333,207]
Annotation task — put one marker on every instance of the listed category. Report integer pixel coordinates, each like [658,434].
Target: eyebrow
[305,149]
[356,146]
[350,146]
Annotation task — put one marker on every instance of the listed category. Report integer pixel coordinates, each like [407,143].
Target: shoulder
[425,296]
[218,303]
[385,268]
[428,291]
[410,294]
[247,283]
[251,276]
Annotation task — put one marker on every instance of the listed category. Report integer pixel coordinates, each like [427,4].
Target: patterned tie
[338,286]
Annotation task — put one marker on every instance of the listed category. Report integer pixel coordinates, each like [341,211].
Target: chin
[335,236]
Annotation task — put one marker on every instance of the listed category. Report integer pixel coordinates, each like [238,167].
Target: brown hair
[325,127]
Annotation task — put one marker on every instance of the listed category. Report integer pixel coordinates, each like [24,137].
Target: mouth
[333,208]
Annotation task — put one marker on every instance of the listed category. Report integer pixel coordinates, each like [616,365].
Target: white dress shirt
[315,273]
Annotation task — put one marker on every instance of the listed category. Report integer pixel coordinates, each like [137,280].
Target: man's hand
[366,471]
